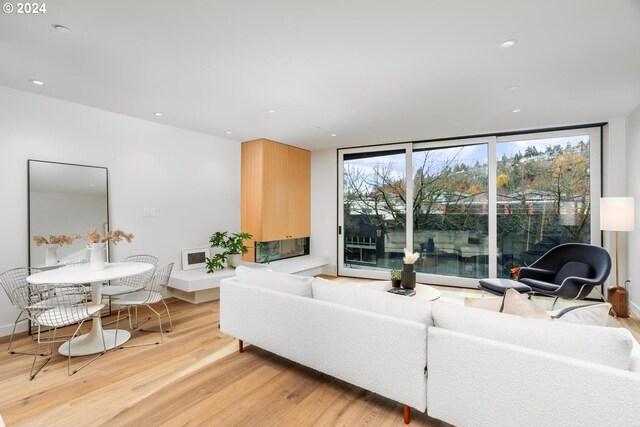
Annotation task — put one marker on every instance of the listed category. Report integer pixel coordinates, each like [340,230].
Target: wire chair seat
[140,298]
[64,316]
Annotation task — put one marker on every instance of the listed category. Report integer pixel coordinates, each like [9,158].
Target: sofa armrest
[634,364]
[481,382]
[384,354]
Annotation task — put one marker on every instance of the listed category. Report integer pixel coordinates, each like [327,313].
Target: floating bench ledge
[196,286]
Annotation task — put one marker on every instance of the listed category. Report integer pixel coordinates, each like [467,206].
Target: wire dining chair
[11,280]
[132,283]
[153,293]
[55,306]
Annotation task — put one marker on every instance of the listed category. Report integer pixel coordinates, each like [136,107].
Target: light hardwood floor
[195,378]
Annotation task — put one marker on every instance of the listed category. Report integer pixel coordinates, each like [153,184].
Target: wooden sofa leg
[240,346]
[407,414]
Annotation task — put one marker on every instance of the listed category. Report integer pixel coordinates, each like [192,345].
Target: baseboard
[5,330]
[634,309]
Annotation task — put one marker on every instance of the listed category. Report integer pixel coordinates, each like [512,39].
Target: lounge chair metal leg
[554,303]
[605,300]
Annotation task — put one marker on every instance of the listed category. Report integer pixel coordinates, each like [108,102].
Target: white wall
[324,206]
[192,179]
[633,187]
[614,184]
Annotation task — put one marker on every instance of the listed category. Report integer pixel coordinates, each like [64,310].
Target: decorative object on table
[402,291]
[97,245]
[396,278]
[617,214]
[408,275]
[194,258]
[233,248]
[52,244]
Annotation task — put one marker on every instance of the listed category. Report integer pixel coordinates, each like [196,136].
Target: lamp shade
[617,213]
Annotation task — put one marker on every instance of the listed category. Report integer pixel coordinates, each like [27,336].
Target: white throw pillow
[520,305]
[592,314]
[281,282]
[491,304]
[604,346]
[373,300]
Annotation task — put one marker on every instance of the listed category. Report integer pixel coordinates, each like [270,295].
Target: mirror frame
[29,237]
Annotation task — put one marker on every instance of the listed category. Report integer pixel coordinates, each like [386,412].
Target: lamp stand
[618,295]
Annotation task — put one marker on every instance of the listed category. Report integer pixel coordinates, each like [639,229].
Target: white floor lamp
[617,214]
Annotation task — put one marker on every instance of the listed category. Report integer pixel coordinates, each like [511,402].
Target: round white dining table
[91,343]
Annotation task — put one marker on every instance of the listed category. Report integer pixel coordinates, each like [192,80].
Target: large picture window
[472,208]
[544,197]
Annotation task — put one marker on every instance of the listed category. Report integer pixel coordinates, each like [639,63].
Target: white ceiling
[369,71]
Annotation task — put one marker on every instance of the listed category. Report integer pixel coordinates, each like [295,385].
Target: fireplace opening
[281,249]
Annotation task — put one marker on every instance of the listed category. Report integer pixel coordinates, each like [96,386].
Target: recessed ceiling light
[334,134]
[157,114]
[271,111]
[61,28]
[508,43]
[516,110]
[37,82]
[513,87]
[228,132]
[92,185]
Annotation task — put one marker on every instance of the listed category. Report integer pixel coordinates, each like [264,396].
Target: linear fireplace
[281,249]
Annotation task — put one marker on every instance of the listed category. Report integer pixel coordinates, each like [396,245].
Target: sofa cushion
[604,346]
[373,300]
[281,282]
[380,285]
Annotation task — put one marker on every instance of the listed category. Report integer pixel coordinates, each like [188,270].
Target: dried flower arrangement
[114,236]
[56,239]
[410,258]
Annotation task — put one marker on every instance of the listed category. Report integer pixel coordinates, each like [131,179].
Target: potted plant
[396,276]
[233,248]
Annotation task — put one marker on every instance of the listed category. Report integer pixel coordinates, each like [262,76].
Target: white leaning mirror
[65,199]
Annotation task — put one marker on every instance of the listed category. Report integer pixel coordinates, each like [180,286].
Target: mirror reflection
[64,199]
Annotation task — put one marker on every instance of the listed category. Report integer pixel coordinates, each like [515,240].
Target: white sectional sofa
[463,365]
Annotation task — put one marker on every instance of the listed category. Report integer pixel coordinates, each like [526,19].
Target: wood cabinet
[275,191]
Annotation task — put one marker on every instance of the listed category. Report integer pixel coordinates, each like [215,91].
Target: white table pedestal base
[88,344]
